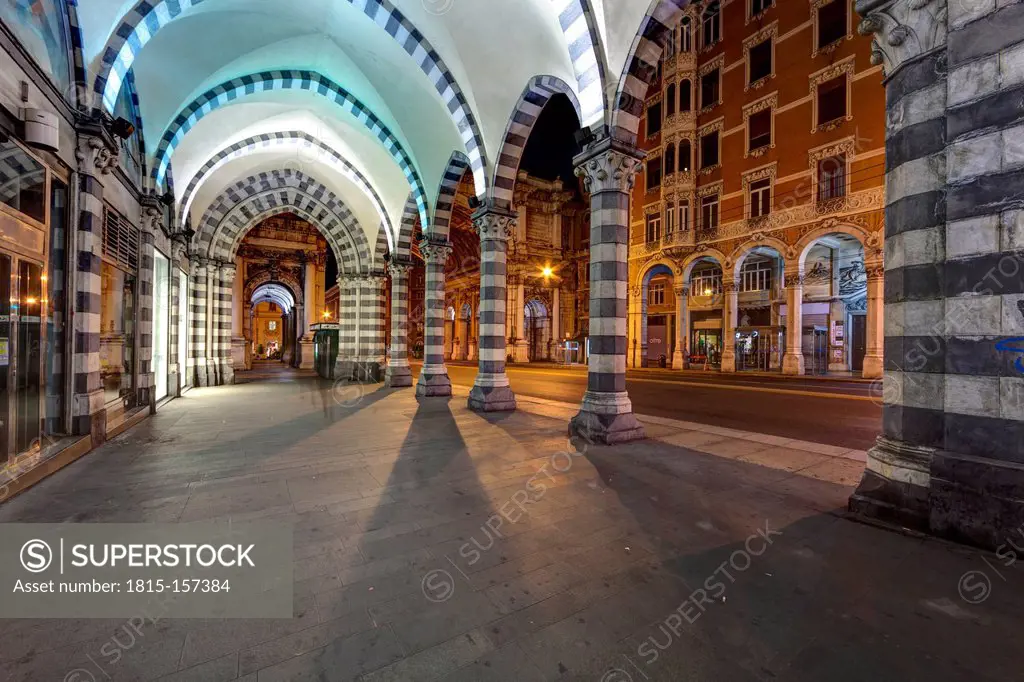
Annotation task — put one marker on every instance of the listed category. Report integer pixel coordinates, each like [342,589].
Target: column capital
[903,29]
[493,222]
[152,214]
[793,279]
[681,289]
[435,252]
[608,166]
[96,152]
[228,272]
[399,268]
[874,271]
[348,280]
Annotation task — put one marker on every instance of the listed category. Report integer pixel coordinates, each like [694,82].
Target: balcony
[674,238]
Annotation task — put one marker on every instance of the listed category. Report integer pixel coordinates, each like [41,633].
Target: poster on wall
[5,352]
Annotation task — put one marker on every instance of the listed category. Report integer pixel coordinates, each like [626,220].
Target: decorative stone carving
[610,169]
[903,29]
[95,155]
[845,146]
[716,63]
[793,279]
[399,268]
[492,224]
[435,252]
[708,190]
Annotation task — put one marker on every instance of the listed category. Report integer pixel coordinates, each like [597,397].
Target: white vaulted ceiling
[484,52]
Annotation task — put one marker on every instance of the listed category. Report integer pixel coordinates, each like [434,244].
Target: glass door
[161,320]
[6,370]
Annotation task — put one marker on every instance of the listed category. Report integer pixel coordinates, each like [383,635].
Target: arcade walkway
[385,494]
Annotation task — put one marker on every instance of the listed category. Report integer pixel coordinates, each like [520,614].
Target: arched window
[711,25]
[685,35]
[684,156]
[670,95]
[685,95]
[41,27]
[670,159]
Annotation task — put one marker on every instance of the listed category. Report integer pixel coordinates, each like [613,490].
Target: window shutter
[120,240]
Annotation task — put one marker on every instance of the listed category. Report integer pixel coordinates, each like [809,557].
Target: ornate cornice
[770,101]
[845,146]
[608,166]
[708,190]
[768,171]
[716,63]
[903,30]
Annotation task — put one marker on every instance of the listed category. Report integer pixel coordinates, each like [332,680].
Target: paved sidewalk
[432,543]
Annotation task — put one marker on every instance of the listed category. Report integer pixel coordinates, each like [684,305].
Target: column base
[606,419]
[728,364]
[398,376]
[894,488]
[484,398]
[202,376]
[433,384]
[520,352]
[873,367]
[306,354]
[679,360]
[793,364]
[227,375]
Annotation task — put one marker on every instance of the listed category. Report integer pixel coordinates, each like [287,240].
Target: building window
[670,159]
[654,119]
[670,97]
[756,276]
[656,294]
[709,212]
[711,26]
[653,227]
[709,150]
[832,178]
[670,217]
[760,127]
[832,99]
[685,35]
[685,95]
[22,181]
[706,282]
[685,156]
[684,215]
[758,6]
[709,89]
[831,23]
[760,64]
[760,192]
[653,174]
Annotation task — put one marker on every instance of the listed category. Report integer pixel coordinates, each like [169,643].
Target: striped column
[200,268]
[433,379]
[96,158]
[372,351]
[491,391]
[348,326]
[174,367]
[606,415]
[398,373]
[223,301]
[145,392]
[949,459]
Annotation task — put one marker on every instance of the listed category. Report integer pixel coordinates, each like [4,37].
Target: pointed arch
[583,40]
[380,251]
[78,72]
[263,183]
[147,17]
[407,231]
[641,68]
[445,203]
[270,140]
[535,96]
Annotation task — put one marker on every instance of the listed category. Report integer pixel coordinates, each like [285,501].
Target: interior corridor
[412,560]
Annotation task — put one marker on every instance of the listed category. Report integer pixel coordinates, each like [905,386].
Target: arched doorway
[703,277]
[271,321]
[658,317]
[537,330]
[758,333]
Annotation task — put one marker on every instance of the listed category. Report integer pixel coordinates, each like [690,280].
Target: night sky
[551,146]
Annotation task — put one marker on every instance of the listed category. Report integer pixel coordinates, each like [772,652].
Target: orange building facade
[762,195]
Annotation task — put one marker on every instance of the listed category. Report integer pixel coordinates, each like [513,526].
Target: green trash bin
[325,348]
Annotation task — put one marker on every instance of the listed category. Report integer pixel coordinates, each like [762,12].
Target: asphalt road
[841,413]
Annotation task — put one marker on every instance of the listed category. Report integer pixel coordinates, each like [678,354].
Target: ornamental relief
[845,65]
[708,190]
[845,146]
[768,102]
[716,63]
[903,31]
[717,125]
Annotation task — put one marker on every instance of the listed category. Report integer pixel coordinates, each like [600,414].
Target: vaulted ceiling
[391,88]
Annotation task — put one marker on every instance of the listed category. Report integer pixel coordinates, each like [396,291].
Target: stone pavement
[433,543]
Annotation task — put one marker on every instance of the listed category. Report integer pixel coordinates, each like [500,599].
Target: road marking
[698,384]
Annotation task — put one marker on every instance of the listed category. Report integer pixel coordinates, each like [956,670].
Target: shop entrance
[759,348]
[22,338]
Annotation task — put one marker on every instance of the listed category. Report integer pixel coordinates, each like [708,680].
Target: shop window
[832,99]
[654,119]
[709,89]
[760,64]
[670,97]
[653,227]
[709,150]
[760,127]
[656,294]
[709,212]
[685,95]
[756,276]
[760,197]
[670,159]
[685,156]
[711,25]
[831,22]
[22,181]
[118,317]
[653,174]
[832,178]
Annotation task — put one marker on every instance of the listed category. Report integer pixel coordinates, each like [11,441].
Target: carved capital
[903,29]
[608,166]
[435,253]
[399,269]
[875,272]
[152,215]
[199,268]
[793,279]
[95,155]
[490,223]
[228,272]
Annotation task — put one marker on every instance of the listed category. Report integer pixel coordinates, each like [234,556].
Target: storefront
[33,274]
[119,318]
[161,323]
